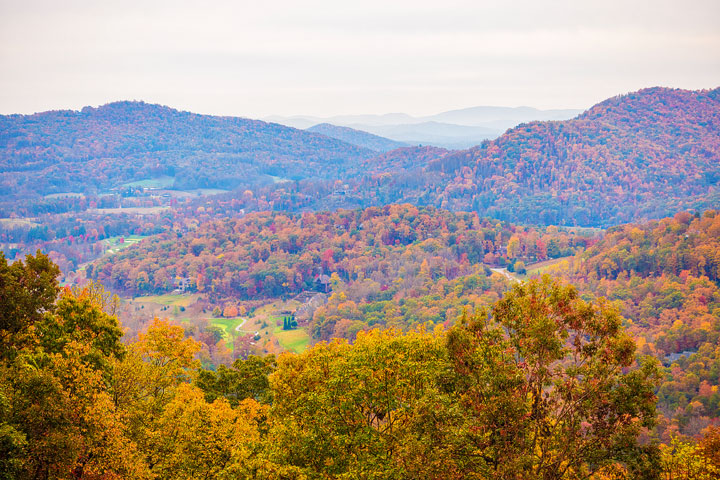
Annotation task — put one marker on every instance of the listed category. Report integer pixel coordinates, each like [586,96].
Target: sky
[331,57]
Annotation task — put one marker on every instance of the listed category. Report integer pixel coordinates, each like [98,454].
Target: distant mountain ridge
[461,128]
[647,154]
[502,116]
[99,148]
[472,116]
[356,137]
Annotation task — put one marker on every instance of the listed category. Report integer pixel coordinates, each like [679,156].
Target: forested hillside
[485,293]
[356,137]
[403,159]
[393,266]
[643,155]
[96,149]
[663,275]
[402,266]
[272,254]
[502,394]
[647,154]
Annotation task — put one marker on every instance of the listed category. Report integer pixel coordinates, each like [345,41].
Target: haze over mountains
[357,137]
[455,129]
[641,155]
[453,292]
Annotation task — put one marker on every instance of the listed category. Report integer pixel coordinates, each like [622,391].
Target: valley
[266,273]
[374,240]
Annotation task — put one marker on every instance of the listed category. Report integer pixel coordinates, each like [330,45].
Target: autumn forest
[188,296]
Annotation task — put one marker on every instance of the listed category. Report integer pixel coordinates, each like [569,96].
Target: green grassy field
[266,321]
[169,300]
[131,210]
[207,191]
[65,195]
[279,179]
[228,325]
[114,245]
[292,340]
[16,222]
[190,193]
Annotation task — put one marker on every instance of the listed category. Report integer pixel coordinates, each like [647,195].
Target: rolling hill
[638,156]
[647,154]
[664,277]
[356,137]
[404,159]
[100,148]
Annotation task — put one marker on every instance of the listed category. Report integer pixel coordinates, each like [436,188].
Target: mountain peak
[655,102]
[128,107]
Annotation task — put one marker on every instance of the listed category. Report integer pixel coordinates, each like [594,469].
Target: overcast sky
[325,57]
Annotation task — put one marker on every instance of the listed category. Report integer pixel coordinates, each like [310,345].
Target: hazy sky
[324,57]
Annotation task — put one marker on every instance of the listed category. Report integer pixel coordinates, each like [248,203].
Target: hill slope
[100,148]
[664,276]
[403,159]
[356,137]
[642,155]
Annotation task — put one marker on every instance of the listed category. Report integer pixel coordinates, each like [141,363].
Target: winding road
[237,329]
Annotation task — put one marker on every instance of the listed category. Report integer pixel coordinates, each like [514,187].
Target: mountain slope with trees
[642,155]
[647,154]
[397,266]
[356,137]
[665,278]
[96,149]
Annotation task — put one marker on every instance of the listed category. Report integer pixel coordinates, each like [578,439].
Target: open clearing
[114,245]
[17,222]
[540,267]
[169,300]
[130,210]
[157,182]
[296,340]
[504,272]
[266,320]
[65,195]
[198,192]
[229,325]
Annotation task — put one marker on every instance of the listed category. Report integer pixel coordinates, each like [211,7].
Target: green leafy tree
[78,319]
[347,411]
[56,414]
[244,379]
[546,387]
[28,290]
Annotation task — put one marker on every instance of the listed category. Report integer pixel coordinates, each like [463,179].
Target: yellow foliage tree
[196,439]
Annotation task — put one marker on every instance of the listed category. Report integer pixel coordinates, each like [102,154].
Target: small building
[322,283]
[182,283]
